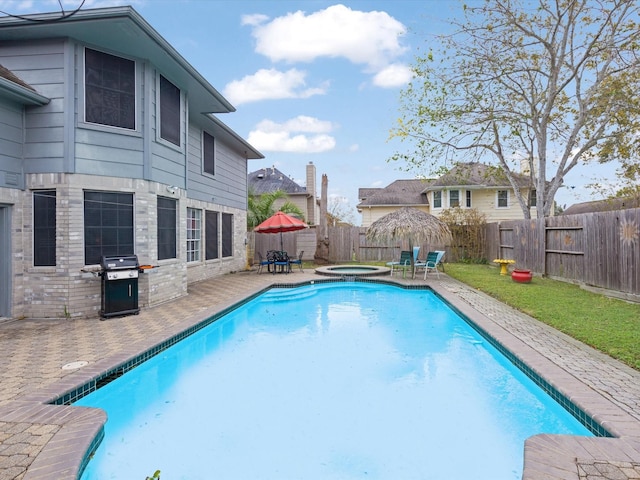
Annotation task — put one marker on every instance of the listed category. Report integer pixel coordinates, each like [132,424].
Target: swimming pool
[347,380]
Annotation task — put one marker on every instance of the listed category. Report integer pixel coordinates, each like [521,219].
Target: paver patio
[39,441]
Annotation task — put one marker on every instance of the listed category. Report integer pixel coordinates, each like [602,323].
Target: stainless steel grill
[119,285]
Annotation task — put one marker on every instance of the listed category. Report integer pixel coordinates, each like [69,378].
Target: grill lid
[119,262]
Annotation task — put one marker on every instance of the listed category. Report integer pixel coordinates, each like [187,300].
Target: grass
[607,324]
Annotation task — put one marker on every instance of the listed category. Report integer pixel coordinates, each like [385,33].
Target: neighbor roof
[603,205]
[476,174]
[400,192]
[267,180]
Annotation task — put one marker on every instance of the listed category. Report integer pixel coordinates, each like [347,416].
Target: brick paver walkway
[40,441]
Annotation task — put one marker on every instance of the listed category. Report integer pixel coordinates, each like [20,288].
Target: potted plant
[521,275]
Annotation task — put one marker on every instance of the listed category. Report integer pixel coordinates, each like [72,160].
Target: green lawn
[610,325]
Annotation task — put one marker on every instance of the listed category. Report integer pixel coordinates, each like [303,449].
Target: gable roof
[476,174]
[399,193]
[267,180]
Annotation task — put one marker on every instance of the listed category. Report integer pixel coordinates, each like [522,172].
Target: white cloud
[301,134]
[271,84]
[395,75]
[364,38]
[253,20]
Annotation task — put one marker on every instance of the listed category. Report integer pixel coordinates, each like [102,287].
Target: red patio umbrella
[278,223]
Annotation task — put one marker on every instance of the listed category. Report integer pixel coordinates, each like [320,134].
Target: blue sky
[312,81]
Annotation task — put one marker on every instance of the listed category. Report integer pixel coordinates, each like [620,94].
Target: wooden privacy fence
[598,249]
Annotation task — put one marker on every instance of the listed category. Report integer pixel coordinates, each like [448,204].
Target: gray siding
[41,65]
[11,145]
[229,185]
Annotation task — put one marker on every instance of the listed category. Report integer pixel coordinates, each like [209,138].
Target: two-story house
[269,180]
[467,185]
[110,146]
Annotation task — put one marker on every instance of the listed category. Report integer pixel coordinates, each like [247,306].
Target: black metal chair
[262,262]
[297,261]
[281,262]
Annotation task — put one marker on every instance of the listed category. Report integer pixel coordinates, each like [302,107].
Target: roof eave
[21,94]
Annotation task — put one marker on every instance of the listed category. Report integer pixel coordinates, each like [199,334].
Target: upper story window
[468,199]
[110,90]
[437,199]
[169,111]
[454,198]
[533,198]
[208,153]
[503,198]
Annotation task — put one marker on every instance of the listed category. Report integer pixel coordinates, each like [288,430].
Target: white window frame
[82,122]
[449,198]
[467,199]
[437,193]
[498,199]
[194,234]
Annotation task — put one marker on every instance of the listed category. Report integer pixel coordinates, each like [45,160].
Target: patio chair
[297,261]
[262,262]
[430,264]
[404,263]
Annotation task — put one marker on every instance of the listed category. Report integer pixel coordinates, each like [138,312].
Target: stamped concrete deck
[39,441]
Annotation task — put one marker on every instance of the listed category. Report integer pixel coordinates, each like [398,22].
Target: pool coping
[545,456]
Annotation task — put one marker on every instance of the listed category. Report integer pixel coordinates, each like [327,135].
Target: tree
[339,211]
[551,84]
[261,207]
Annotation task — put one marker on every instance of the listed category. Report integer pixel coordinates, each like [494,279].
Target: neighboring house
[268,180]
[109,146]
[603,205]
[467,185]
[378,202]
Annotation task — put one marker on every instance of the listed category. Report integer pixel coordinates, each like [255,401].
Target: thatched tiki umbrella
[411,225]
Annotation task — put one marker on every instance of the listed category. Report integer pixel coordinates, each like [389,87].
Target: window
[437,199]
[454,198]
[166,228]
[468,199]
[169,111]
[44,228]
[227,235]
[211,235]
[208,153]
[194,230]
[108,225]
[503,198]
[110,90]
[533,198]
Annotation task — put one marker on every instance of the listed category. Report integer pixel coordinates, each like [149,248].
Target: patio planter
[521,276]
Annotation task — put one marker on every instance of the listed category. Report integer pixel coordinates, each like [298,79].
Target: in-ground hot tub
[352,270]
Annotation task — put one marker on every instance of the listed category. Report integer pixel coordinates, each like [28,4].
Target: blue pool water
[328,381]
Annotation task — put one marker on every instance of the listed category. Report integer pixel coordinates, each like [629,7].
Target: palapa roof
[411,224]
[268,180]
[398,193]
